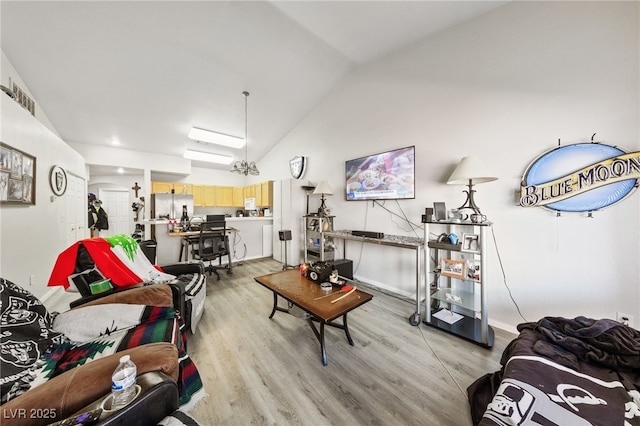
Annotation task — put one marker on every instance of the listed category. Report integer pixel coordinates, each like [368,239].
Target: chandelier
[245,167]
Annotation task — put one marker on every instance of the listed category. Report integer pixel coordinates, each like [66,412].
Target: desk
[308,296]
[411,243]
[193,237]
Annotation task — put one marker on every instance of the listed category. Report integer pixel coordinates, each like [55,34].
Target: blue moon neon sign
[581,177]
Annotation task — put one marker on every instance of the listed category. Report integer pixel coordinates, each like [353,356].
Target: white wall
[32,236]
[505,87]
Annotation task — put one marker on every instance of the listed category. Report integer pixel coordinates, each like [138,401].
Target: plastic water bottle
[123,382]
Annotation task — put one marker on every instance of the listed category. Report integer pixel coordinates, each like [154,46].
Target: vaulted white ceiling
[143,73]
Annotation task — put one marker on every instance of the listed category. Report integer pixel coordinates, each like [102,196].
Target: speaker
[344,267]
[284,235]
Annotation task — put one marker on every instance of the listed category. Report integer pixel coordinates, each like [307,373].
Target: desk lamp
[470,171]
[323,188]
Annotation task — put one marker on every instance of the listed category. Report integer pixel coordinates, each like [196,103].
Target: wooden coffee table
[308,296]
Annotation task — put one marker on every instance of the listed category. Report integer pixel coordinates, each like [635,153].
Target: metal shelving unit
[317,245]
[467,295]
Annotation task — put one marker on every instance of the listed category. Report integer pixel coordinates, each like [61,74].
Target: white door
[116,203]
[76,219]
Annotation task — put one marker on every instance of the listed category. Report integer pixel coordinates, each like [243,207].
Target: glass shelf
[468,300]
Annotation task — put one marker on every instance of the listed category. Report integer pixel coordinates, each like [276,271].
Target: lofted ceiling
[142,73]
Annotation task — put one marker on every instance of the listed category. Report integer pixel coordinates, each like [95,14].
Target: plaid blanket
[156,324]
[80,336]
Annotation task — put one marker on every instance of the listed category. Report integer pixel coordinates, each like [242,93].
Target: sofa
[120,264]
[56,365]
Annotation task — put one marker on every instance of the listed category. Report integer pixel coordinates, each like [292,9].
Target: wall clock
[58,180]
[297,166]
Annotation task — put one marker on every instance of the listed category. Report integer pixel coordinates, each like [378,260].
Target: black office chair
[213,243]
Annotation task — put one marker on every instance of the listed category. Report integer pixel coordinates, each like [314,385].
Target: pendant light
[245,167]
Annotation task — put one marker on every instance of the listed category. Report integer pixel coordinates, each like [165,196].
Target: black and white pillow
[26,336]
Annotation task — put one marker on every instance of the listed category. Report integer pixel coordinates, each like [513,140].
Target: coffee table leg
[275,305]
[320,337]
[322,347]
[346,329]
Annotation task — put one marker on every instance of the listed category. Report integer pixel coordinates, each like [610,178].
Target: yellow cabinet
[166,187]
[209,196]
[198,195]
[161,187]
[224,196]
[258,194]
[183,188]
[266,194]
[238,196]
[249,191]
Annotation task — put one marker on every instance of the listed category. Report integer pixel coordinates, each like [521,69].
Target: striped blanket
[124,327]
[80,336]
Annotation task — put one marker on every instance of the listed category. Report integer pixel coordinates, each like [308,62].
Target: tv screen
[385,176]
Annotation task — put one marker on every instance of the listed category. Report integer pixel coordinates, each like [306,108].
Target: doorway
[116,204]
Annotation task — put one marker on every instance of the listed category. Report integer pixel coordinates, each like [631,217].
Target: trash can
[149,248]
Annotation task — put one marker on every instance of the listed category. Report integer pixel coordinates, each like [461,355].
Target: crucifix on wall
[136,188]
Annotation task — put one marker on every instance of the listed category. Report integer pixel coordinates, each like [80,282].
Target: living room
[505,86]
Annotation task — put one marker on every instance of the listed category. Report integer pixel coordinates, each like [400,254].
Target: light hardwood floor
[261,371]
[269,371]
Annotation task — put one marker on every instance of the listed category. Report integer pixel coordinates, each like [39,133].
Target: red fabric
[106,261]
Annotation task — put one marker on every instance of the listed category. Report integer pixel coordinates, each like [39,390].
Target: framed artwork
[17,176]
[453,268]
[470,243]
[473,269]
[439,211]
[58,180]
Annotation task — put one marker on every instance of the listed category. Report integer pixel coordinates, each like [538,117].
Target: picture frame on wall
[17,176]
[453,268]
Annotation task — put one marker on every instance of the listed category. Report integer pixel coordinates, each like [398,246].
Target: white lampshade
[470,170]
[323,188]
[209,136]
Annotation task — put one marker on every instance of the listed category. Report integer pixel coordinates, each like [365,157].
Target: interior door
[116,204]
[76,219]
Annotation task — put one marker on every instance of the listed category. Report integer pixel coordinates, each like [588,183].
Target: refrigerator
[169,206]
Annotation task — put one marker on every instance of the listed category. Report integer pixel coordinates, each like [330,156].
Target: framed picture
[453,268]
[470,243]
[473,269]
[17,176]
[58,180]
[439,211]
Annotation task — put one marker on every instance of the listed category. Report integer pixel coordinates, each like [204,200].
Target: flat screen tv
[386,176]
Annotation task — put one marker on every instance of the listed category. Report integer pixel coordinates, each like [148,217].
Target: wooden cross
[136,188]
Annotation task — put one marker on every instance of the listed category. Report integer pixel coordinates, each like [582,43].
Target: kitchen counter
[251,239]
[249,218]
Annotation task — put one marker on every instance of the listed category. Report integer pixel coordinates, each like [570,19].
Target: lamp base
[470,203]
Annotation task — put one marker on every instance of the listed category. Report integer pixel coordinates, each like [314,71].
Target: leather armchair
[69,392]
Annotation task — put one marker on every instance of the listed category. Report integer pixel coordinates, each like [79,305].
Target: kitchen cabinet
[238,197]
[223,196]
[167,187]
[266,194]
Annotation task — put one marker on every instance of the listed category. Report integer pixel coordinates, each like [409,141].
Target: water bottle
[123,381]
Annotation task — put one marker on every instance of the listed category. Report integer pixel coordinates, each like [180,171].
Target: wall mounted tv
[386,176]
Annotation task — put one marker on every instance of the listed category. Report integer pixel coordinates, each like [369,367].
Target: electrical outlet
[625,319]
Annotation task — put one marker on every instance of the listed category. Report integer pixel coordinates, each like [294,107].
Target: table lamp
[470,171]
[323,188]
